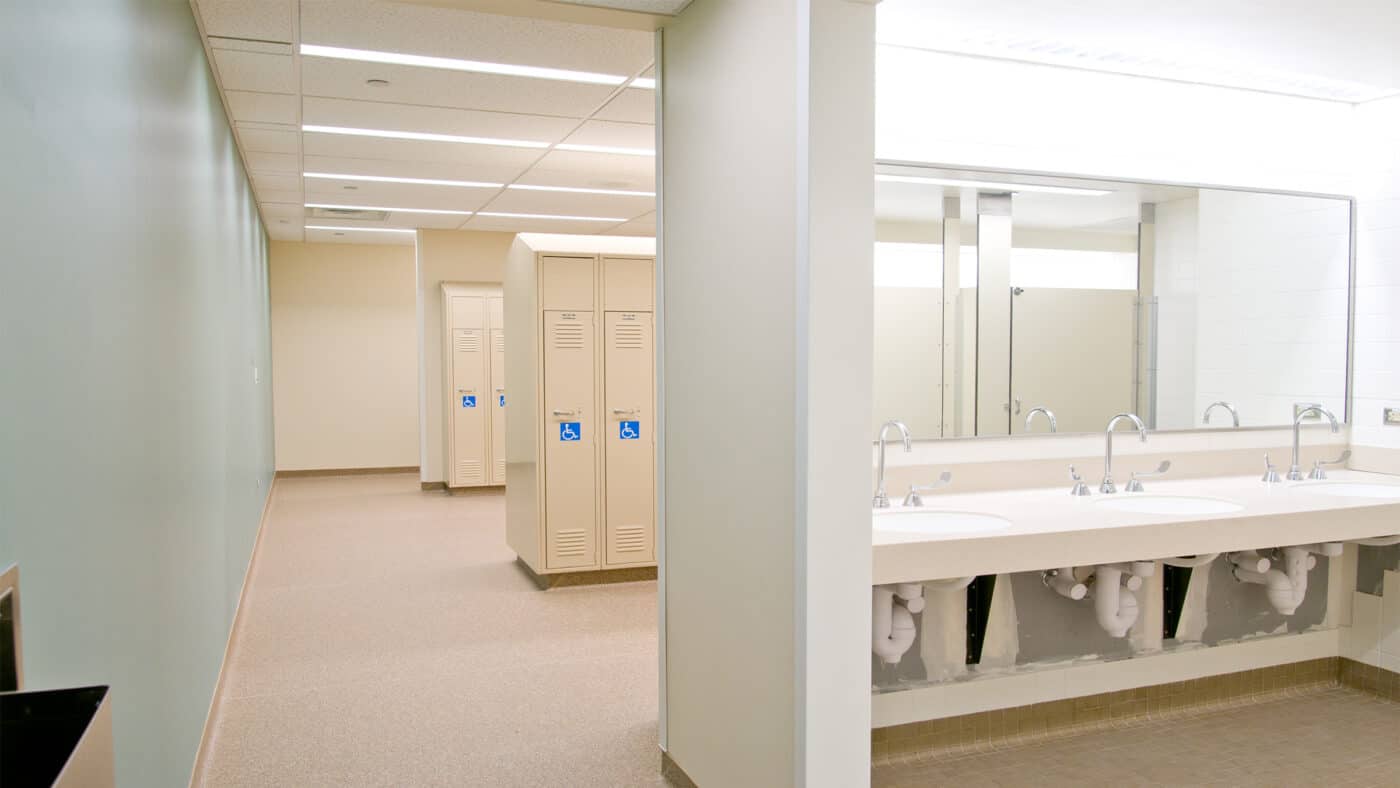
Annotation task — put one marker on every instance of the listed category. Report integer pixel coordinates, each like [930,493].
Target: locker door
[468,407]
[498,392]
[630,444]
[570,455]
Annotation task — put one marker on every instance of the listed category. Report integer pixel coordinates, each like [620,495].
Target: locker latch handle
[562,413]
[624,411]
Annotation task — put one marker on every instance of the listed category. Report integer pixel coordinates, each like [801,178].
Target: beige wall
[446,256]
[344,371]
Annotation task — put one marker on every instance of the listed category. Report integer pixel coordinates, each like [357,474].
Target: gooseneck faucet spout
[1049,415]
[1108,486]
[1234,414]
[882,501]
[1295,472]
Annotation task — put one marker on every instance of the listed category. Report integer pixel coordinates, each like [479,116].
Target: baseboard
[990,730]
[314,472]
[588,578]
[1370,678]
[672,773]
[196,776]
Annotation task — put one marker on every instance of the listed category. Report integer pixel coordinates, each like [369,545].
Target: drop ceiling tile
[482,156]
[571,204]
[434,120]
[263,20]
[518,225]
[256,140]
[271,162]
[399,195]
[645,228]
[633,105]
[272,211]
[281,183]
[279,196]
[255,71]
[616,135]
[284,230]
[352,237]
[594,170]
[262,107]
[420,29]
[408,85]
[495,172]
[667,7]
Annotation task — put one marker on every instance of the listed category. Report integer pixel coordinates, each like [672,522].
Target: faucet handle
[1080,488]
[915,499]
[1318,474]
[1136,486]
[1270,472]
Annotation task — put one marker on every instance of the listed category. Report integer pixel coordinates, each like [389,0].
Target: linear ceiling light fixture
[646,83]
[422,136]
[605,149]
[358,229]
[575,190]
[382,208]
[500,215]
[334,176]
[1010,187]
[456,64]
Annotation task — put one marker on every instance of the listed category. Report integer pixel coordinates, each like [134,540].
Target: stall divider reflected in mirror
[1073,299]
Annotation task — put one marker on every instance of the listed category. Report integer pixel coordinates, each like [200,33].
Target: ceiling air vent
[355,214]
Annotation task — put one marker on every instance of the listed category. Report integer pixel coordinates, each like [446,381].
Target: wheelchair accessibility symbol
[629,430]
[570,431]
[500,400]
[469,400]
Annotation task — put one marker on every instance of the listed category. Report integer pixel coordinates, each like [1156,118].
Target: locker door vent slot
[631,539]
[570,543]
[469,470]
[500,469]
[628,338]
[568,336]
[498,342]
[467,342]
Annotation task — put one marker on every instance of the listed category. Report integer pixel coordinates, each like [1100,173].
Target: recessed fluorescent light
[333,176]
[381,208]
[605,149]
[358,229]
[422,136]
[573,190]
[1010,187]
[646,83]
[548,216]
[455,64]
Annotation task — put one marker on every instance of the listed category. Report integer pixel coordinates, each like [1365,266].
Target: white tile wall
[1377,373]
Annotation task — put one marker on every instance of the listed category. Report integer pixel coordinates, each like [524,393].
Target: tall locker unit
[473,374]
[592,464]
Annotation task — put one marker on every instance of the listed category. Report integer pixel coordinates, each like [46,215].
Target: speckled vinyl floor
[388,639]
[1329,737]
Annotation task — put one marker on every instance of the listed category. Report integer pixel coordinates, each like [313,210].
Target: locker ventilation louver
[498,342]
[500,469]
[568,336]
[629,338]
[467,342]
[570,543]
[631,539]
[469,470]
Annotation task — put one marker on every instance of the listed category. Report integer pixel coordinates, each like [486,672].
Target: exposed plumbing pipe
[1064,583]
[1380,541]
[1116,611]
[911,596]
[892,625]
[1287,588]
[1191,561]
[1249,561]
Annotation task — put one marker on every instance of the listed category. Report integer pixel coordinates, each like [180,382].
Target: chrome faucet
[916,491]
[1295,471]
[882,501]
[1108,486]
[1049,414]
[1234,414]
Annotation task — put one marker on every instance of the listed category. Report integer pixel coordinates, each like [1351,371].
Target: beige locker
[570,440]
[497,403]
[630,447]
[468,423]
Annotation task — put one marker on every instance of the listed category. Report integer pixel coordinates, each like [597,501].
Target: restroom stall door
[570,440]
[630,443]
[1072,352]
[497,404]
[468,429]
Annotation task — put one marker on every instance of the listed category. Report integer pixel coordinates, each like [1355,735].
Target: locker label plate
[469,400]
[629,430]
[570,431]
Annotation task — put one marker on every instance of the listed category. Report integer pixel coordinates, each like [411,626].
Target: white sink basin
[914,524]
[1167,504]
[1354,490]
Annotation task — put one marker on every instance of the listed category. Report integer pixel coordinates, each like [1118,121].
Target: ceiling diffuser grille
[347,213]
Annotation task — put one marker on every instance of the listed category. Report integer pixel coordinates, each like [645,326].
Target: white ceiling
[272,91]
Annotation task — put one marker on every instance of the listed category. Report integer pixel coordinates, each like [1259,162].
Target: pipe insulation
[1380,541]
[1286,588]
[892,626]
[1191,561]
[1116,611]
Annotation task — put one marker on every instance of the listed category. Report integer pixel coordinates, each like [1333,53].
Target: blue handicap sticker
[469,400]
[500,400]
[629,430]
[570,431]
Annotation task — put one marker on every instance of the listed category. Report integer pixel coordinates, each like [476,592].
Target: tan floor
[388,639]
[1331,737]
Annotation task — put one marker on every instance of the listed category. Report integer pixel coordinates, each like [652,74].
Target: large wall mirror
[1008,304]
